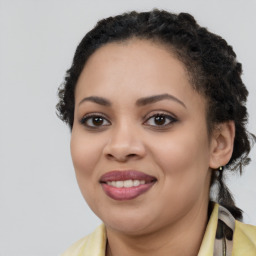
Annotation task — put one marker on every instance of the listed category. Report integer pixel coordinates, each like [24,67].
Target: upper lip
[126,175]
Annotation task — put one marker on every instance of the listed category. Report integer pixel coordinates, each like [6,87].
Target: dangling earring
[220,168]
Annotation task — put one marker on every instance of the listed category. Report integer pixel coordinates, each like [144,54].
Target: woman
[156,106]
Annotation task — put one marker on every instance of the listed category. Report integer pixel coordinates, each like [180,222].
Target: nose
[125,143]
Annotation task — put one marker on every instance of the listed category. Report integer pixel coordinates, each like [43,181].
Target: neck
[182,238]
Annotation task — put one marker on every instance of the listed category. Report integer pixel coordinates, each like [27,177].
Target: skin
[180,154]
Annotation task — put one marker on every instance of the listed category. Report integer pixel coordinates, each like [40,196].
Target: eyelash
[89,118]
[105,122]
[166,117]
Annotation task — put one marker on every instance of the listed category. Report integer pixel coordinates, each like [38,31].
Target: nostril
[131,155]
[121,151]
[121,157]
[110,156]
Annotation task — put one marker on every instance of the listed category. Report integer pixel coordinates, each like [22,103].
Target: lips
[126,185]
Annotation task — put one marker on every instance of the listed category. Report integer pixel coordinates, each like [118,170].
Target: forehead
[137,68]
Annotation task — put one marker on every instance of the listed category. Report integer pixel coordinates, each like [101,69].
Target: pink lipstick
[126,185]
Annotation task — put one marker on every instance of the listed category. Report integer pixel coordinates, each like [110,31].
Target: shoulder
[93,244]
[233,236]
[244,239]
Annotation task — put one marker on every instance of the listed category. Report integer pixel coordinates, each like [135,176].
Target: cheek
[185,176]
[184,159]
[85,154]
[184,150]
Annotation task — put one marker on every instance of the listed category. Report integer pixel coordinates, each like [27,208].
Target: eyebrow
[139,102]
[156,98]
[96,99]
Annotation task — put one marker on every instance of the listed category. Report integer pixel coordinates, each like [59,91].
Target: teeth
[126,183]
[119,184]
[136,183]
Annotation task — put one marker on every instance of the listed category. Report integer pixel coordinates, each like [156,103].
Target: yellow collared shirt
[243,242]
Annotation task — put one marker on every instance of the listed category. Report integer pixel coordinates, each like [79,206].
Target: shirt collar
[95,243]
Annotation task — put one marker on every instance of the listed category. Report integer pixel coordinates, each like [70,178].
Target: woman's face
[139,142]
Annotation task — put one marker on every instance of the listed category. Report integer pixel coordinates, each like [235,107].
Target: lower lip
[122,194]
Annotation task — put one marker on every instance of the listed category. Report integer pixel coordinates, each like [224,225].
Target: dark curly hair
[210,62]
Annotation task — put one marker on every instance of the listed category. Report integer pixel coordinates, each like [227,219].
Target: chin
[128,227]
[130,223]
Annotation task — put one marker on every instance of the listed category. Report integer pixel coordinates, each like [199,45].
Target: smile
[126,185]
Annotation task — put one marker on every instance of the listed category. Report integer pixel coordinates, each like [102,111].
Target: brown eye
[160,120]
[97,121]
[94,121]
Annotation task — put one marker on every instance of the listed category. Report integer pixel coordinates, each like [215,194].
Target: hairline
[174,52]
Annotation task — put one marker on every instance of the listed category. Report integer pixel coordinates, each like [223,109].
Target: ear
[222,143]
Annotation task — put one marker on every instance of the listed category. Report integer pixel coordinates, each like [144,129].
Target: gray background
[41,209]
